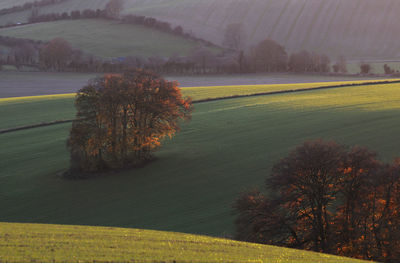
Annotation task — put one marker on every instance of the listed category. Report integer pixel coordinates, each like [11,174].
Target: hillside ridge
[357,29]
[50,243]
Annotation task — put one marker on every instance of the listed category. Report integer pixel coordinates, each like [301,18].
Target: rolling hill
[228,146]
[57,243]
[357,29]
[107,38]
[354,28]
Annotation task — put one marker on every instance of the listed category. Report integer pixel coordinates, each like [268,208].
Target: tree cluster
[327,198]
[269,56]
[305,61]
[57,55]
[20,51]
[388,70]
[340,66]
[155,24]
[365,68]
[121,120]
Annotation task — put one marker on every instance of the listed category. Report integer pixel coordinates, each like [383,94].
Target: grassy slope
[345,27]
[356,29]
[106,38]
[58,107]
[49,243]
[228,146]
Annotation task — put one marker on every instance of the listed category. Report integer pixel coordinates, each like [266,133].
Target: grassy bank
[21,111]
[228,146]
[49,243]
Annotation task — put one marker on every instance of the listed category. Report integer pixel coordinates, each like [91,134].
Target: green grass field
[56,243]
[200,93]
[106,38]
[60,107]
[228,146]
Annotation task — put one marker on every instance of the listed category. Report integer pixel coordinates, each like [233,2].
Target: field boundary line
[296,90]
[45,124]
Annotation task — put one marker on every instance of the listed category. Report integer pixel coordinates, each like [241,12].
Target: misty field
[107,38]
[353,28]
[49,243]
[19,84]
[228,146]
[356,29]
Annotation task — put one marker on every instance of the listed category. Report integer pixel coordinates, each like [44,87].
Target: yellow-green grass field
[201,93]
[60,107]
[107,38]
[57,243]
[228,146]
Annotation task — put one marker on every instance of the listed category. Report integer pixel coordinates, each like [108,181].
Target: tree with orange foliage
[308,182]
[361,168]
[327,198]
[122,119]
[376,233]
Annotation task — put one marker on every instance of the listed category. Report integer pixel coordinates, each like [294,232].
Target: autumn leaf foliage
[122,119]
[327,198]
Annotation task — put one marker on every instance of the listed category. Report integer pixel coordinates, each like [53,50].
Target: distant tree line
[58,55]
[29,5]
[327,198]
[87,13]
[20,51]
[149,22]
[268,56]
